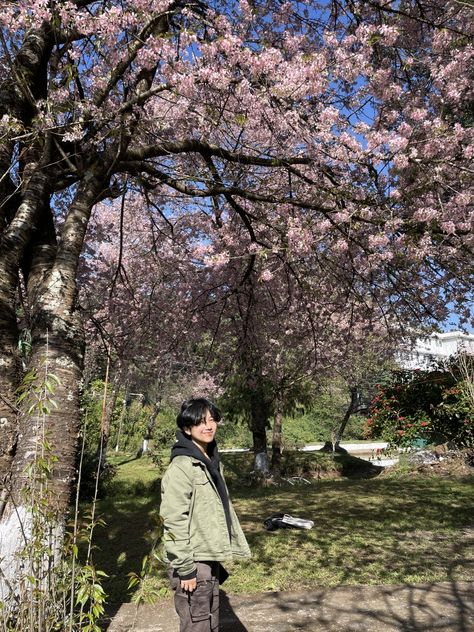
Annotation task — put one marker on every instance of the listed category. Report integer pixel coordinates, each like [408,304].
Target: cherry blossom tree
[336,133]
[289,324]
[133,292]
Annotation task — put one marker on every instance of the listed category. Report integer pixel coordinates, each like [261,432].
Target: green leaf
[23,396]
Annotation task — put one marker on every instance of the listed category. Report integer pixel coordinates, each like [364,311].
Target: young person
[200,524]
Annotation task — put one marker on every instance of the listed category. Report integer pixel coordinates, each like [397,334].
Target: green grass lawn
[389,529]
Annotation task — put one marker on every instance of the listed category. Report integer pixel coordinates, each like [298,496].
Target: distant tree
[360,372]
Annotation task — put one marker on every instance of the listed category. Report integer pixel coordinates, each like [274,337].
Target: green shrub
[429,405]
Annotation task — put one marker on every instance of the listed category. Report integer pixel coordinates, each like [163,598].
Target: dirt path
[443,607]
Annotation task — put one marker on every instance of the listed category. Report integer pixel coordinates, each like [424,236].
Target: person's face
[203,433]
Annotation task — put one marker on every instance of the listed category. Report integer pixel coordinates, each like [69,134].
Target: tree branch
[205,149]
[157,23]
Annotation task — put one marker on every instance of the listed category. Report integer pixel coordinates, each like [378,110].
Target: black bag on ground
[286,521]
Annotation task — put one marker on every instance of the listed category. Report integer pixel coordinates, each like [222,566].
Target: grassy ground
[389,529]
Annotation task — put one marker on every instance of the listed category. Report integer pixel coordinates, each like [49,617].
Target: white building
[434,347]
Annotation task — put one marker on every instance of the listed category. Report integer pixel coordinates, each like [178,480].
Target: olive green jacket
[194,518]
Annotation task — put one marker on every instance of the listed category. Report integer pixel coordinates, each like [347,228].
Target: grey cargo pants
[198,611]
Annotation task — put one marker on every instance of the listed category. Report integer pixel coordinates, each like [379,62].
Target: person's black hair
[194,410]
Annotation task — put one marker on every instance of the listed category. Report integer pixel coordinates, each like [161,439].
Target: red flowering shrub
[422,405]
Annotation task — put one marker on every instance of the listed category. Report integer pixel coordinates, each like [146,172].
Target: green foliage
[234,434]
[318,420]
[430,405]
[131,416]
[35,394]
[91,410]
[128,423]
[134,425]
[312,414]
[164,434]
[90,598]
[238,399]
[145,587]
[317,426]
[90,436]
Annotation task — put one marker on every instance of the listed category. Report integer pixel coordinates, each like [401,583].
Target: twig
[9,404]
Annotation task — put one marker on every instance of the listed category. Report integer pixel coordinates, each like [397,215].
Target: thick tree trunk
[9,361]
[9,381]
[276,437]
[57,334]
[15,237]
[57,349]
[259,425]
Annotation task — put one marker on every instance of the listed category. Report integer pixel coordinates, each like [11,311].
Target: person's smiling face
[203,434]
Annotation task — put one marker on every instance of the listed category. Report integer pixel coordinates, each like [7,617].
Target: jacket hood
[185,447]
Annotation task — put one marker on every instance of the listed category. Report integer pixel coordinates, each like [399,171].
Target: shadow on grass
[399,532]
[377,531]
[314,465]
[118,461]
[386,530]
[122,543]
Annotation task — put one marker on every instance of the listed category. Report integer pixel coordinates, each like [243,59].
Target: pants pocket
[200,601]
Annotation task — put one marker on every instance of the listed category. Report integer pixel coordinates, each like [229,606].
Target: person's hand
[189,585]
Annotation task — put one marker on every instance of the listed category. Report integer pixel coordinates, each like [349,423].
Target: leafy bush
[89,440]
[165,428]
[234,434]
[433,406]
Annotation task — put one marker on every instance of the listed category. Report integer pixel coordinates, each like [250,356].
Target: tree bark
[28,76]
[9,381]
[276,437]
[150,426]
[351,409]
[58,349]
[58,335]
[14,240]
[9,361]
[258,426]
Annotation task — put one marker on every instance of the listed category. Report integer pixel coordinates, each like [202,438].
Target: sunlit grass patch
[380,531]
[384,530]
